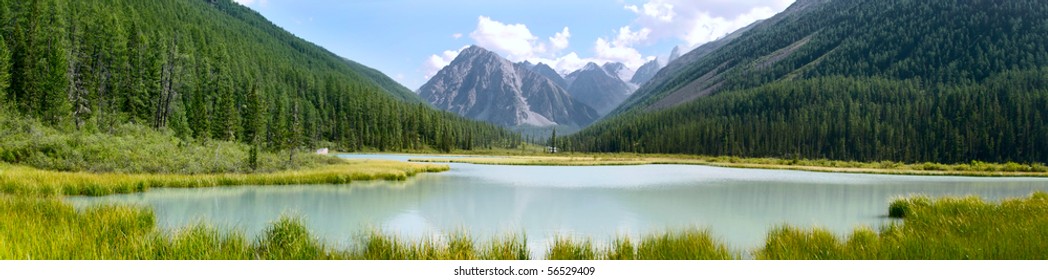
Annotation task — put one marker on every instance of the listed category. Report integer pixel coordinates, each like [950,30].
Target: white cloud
[626,37]
[456,35]
[632,8]
[706,28]
[513,40]
[659,10]
[436,62]
[516,43]
[610,52]
[698,22]
[560,39]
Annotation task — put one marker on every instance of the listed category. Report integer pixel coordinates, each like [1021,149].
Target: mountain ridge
[481,85]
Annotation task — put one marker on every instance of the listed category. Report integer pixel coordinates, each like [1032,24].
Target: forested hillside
[207,69]
[903,80]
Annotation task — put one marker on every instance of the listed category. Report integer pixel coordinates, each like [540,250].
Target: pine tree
[5,69]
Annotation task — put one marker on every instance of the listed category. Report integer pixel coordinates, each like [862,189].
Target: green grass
[564,248]
[22,180]
[454,246]
[946,228]
[690,244]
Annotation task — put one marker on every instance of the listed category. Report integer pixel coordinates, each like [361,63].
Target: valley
[825,129]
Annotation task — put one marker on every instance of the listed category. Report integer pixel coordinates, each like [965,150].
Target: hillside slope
[904,80]
[207,69]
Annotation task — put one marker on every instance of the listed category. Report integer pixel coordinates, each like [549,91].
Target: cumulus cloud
[436,62]
[692,22]
[698,22]
[513,40]
[560,39]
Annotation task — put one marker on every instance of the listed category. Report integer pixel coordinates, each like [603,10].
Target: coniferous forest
[902,80]
[208,69]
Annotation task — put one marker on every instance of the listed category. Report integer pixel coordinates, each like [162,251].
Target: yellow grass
[22,180]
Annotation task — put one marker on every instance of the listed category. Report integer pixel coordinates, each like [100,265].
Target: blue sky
[410,40]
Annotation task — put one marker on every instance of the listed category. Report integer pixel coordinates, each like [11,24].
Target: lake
[739,206]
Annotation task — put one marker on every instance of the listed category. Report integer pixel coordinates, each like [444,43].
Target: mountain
[594,86]
[653,90]
[524,64]
[675,53]
[646,72]
[207,69]
[619,70]
[866,80]
[546,71]
[481,85]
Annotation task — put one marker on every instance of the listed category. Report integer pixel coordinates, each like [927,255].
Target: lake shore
[946,228]
[974,169]
[24,180]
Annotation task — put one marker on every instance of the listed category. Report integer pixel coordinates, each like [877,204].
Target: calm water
[738,205]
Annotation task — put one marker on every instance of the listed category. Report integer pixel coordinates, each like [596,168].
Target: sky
[410,40]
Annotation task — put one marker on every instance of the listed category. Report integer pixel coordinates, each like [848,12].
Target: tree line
[208,69]
[840,118]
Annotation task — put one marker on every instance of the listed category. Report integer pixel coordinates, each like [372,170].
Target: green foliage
[681,245]
[209,70]
[564,248]
[132,148]
[850,119]
[288,239]
[906,81]
[947,228]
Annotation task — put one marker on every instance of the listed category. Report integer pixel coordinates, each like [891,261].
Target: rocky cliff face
[646,72]
[481,85]
[594,86]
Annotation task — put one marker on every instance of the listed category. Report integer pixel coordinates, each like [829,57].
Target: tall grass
[690,244]
[454,246]
[947,228]
[24,180]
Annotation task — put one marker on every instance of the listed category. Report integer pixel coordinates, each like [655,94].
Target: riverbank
[979,169]
[29,181]
[947,228]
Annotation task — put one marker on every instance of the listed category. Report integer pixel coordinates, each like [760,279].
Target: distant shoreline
[975,169]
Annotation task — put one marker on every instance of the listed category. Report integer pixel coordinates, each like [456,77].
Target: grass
[22,180]
[690,244]
[47,228]
[946,228]
[974,168]
[454,246]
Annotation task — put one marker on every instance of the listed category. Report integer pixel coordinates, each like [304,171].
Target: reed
[22,180]
[565,248]
[457,245]
[946,228]
[691,244]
